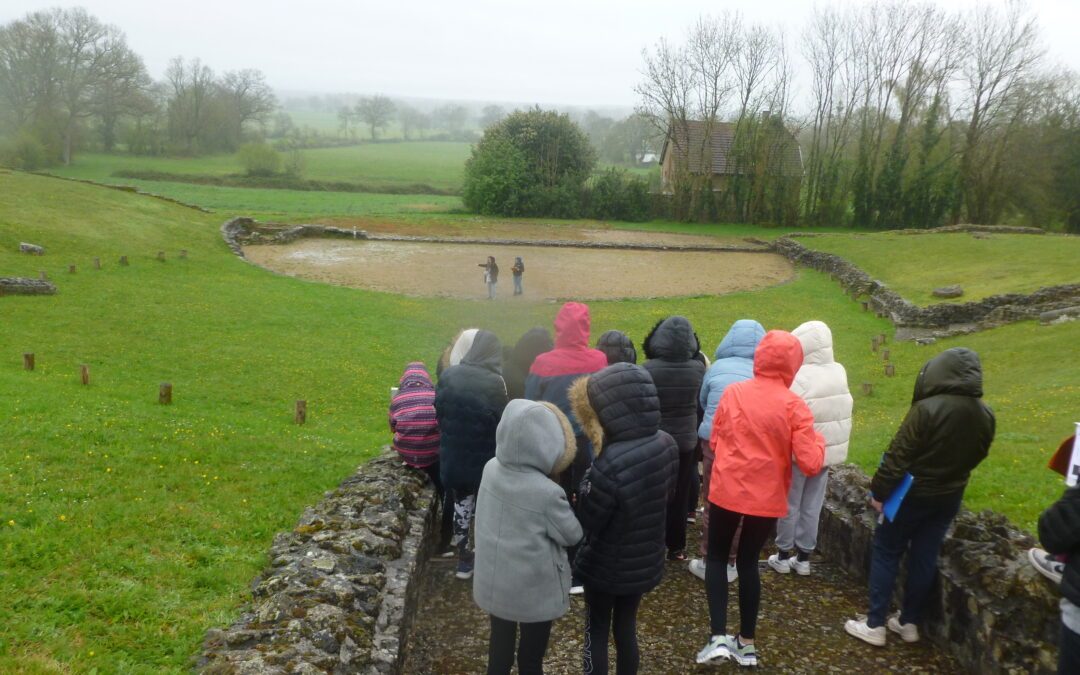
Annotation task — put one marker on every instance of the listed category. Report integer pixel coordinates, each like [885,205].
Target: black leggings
[606,613]
[504,642]
[755,530]
[679,504]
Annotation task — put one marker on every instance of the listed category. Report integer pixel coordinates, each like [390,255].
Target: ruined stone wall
[946,317]
[24,286]
[340,589]
[991,609]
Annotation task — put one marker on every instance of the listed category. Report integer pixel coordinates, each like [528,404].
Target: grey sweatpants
[799,528]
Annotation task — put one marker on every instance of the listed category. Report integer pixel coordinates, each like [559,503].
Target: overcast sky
[578,52]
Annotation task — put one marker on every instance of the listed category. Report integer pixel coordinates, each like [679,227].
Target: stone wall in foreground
[24,286]
[991,609]
[340,589]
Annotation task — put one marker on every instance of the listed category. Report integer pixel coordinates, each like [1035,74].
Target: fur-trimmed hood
[535,435]
[619,403]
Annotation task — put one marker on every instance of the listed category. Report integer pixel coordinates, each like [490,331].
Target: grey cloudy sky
[583,52]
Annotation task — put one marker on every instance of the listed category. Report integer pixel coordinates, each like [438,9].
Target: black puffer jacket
[670,348]
[946,433]
[617,347]
[1059,532]
[469,402]
[623,498]
[516,367]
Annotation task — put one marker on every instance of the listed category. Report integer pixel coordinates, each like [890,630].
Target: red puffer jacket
[759,426]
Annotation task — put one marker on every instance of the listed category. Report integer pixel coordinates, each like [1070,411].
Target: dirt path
[441,270]
[800,628]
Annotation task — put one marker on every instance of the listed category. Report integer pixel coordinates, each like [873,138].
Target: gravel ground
[425,269]
[800,628]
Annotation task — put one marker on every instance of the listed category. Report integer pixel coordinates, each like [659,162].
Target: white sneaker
[858,628]
[732,573]
[1046,564]
[719,647]
[697,568]
[800,567]
[781,565]
[908,632]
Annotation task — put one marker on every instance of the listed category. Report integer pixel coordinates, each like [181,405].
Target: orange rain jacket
[759,426]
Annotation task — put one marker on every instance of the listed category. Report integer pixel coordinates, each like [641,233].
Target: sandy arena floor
[450,270]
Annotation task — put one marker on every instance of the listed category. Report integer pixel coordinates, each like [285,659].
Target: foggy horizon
[581,55]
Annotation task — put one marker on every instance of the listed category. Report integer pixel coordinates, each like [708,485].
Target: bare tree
[491,114]
[251,97]
[191,86]
[412,121]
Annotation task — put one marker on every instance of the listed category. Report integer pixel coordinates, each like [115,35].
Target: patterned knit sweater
[412,418]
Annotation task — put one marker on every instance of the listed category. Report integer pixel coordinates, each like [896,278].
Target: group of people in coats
[579,468]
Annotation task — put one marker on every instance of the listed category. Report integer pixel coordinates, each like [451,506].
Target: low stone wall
[991,609]
[944,318]
[24,286]
[339,591]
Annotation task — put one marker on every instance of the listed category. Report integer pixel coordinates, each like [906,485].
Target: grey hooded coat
[523,521]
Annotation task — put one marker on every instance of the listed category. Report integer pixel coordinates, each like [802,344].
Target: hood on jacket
[458,348]
[617,347]
[778,356]
[415,376]
[816,340]
[572,326]
[485,352]
[671,339]
[533,343]
[741,340]
[616,404]
[535,435]
[954,371]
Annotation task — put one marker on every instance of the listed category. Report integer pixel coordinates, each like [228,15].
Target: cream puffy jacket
[822,383]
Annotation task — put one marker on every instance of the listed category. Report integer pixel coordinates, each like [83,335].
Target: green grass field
[914,265]
[129,528]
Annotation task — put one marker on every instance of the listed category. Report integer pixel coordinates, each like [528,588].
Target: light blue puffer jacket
[734,362]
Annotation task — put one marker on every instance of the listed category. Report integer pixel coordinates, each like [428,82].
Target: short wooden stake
[868,388]
[881,338]
[873,344]
[97,263]
[183,253]
[890,370]
[301,412]
[84,373]
[865,306]
[884,354]
[165,394]
[71,269]
[42,275]
[28,361]
[161,256]
[123,261]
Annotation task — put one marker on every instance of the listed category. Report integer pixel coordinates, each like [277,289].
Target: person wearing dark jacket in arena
[469,402]
[621,507]
[520,359]
[670,349]
[1059,532]
[947,432]
[617,346]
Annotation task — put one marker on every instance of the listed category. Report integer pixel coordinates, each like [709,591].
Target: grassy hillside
[130,527]
[914,265]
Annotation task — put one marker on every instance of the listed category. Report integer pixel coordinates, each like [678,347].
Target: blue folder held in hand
[891,505]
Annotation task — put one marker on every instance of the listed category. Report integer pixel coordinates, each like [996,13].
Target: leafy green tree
[376,112]
[542,155]
[259,159]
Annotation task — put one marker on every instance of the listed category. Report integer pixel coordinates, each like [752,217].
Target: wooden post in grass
[881,338]
[873,344]
[123,261]
[884,354]
[183,253]
[301,412]
[28,361]
[71,269]
[890,370]
[97,263]
[161,256]
[865,306]
[42,275]
[868,388]
[84,374]
[165,394]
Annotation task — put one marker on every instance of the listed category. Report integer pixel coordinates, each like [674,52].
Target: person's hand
[875,504]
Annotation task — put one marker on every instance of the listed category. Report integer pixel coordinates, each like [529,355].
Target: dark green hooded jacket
[946,433]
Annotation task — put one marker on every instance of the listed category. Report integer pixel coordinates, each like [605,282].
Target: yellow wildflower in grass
[11,523]
[63,517]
